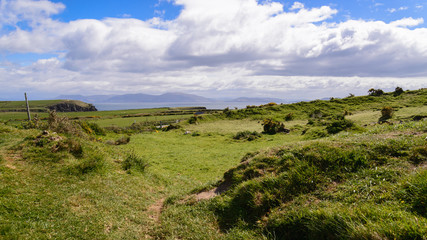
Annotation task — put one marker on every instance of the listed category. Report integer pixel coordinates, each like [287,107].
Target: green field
[338,173]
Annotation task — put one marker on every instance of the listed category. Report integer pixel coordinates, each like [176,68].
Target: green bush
[194,119]
[415,193]
[289,117]
[398,91]
[315,133]
[121,141]
[134,161]
[386,113]
[70,145]
[418,155]
[92,128]
[247,135]
[338,125]
[92,163]
[172,127]
[375,92]
[59,124]
[273,127]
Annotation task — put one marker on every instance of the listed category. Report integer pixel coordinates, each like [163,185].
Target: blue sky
[386,10]
[221,48]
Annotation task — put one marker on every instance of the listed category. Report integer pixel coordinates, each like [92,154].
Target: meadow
[337,174]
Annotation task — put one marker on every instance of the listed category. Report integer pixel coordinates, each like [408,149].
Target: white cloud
[35,12]
[244,46]
[297,5]
[407,22]
[391,10]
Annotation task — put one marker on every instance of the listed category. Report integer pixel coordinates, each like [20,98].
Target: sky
[213,48]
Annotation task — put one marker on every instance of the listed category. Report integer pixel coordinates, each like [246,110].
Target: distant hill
[139,97]
[266,100]
[45,105]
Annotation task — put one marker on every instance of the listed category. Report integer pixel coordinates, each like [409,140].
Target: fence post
[28,107]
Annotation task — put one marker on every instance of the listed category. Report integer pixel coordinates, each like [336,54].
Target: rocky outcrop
[72,107]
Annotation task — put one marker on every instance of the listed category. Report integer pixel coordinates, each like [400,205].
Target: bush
[72,146]
[397,91]
[375,92]
[273,127]
[172,127]
[338,125]
[123,140]
[289,117]
[415,193]
[194,119]
[247,135]
[317,114]
[62,125]
[91,163]
[134,161]
[386,113]
[92,128]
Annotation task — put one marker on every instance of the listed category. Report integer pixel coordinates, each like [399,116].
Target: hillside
[45,105]
[139,97]
[352,168]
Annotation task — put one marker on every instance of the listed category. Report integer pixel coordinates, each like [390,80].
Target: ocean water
[140,105]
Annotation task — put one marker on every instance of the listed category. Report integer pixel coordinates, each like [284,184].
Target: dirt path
[155,210]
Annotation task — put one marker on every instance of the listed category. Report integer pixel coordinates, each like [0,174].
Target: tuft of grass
[133,161]
[91,163]
[414,192]
[247,135]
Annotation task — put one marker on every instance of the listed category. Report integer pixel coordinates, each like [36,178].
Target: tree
[397,91]
[375,92]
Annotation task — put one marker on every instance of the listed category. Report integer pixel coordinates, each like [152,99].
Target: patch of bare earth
[155,210]
[11,158]
[205,195]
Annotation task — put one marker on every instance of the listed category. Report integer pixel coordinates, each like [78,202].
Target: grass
[364,182]
[123,122]
[362,187]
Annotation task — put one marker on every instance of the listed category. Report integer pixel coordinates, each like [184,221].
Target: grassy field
[327,178]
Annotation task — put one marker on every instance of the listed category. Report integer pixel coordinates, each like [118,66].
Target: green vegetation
[335,173]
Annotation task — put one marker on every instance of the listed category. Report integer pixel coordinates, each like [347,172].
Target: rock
[72,107]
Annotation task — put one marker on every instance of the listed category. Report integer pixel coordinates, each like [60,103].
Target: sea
[141,105]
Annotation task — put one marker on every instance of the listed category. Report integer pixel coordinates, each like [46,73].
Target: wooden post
[28,107]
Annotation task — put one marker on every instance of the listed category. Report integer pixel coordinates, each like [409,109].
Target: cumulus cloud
[213,45]
[35,12]
[297,5]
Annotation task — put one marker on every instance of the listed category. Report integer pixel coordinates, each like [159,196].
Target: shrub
[273,127]
[247,135]
[195,119]
[72,146]
[195,134]
[171,127]
[289,117]
[317,114]
[91,163]
[271,104]
[338,125]
[92,128]
[415,193]
[419,155]
[386,113]
[62,125]
[397,91]
[314,133]
[134,161]
[375,92]
[123,140]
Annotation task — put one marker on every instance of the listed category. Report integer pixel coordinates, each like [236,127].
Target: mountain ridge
[162,98]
